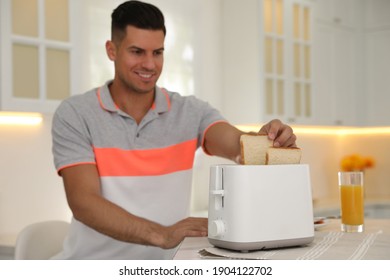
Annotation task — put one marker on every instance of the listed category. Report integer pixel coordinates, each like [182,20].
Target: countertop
[329,243]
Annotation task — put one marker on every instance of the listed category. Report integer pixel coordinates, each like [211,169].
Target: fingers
[189,227]
[194,225]
[238,160]
[285,138]
[281,134]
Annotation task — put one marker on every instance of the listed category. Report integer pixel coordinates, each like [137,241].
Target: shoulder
[75,110]
[78,103]
[190,100]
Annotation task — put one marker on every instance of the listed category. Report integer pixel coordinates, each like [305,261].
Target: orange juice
[352,204]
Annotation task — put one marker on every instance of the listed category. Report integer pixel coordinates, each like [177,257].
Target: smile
[145,75]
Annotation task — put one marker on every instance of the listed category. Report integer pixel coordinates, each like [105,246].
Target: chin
[141,89]
[144,90]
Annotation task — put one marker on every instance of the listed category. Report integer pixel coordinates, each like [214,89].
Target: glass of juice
[352,201]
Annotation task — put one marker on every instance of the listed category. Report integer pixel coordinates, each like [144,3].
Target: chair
[40,241]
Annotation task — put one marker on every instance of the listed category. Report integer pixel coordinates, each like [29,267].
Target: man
[125,150]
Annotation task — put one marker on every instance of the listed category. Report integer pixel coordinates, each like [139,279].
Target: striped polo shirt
[144,168]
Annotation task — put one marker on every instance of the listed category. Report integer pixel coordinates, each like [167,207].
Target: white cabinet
[335,74]
[377,100]
[337,60]
[340,12]
[242,92]
[351,62]
[377,63]
[342,66]
[38,54]
[267,61]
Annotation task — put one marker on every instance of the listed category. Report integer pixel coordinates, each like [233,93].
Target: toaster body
[254,207]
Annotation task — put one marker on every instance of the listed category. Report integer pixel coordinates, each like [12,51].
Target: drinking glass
[352,201]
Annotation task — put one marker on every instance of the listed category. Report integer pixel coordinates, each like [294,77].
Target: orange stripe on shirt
[167,98]
[119,162]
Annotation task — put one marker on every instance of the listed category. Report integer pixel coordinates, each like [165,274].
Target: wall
[324,153]
[30,189]
[377,179]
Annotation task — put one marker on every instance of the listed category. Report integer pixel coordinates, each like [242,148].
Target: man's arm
[83,191]
[223,139]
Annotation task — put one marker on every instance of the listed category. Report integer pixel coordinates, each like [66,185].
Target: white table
[329,244]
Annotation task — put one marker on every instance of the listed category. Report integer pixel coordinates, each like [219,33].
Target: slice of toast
[283,156]
[254,148]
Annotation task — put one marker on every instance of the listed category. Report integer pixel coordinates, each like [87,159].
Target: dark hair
[138,14]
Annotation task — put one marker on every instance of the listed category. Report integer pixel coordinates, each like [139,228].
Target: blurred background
[322,66]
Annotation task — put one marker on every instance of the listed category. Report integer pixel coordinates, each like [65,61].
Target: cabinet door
[344,77]
[37,54]
[339,12]
[242,78]
[335,74]
[377,99]
[377,63]
[287,60]
[301,93]
[324,109]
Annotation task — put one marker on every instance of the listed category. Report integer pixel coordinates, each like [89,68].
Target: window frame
[8,102]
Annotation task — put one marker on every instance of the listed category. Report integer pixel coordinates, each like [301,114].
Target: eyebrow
[141,49]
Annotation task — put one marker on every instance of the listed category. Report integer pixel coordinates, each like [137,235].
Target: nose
[149,62]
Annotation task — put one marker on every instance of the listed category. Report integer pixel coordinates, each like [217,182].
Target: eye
[136,51]
[158,53]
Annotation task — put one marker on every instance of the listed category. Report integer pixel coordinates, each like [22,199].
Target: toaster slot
[222,187]
[218,189]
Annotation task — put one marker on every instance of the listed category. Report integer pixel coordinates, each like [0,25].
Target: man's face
[139,59]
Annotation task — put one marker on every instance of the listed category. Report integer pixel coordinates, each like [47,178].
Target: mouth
[145,76]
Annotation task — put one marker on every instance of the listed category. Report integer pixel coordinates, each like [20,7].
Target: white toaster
[254,207]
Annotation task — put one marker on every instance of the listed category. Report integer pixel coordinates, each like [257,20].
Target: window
[274,61]
[37,53]
[287,58]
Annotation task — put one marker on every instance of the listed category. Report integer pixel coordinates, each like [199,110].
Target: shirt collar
[161,102]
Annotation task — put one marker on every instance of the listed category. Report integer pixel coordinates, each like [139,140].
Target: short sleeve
[210,116]
[72,144]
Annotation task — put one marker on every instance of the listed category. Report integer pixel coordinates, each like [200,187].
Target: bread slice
[283,156]
[254,148]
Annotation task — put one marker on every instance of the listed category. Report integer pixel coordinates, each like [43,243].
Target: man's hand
[281,134]
[223,139]
[189,227]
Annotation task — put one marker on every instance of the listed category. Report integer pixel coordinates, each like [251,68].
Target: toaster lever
[218,192]
[218,198]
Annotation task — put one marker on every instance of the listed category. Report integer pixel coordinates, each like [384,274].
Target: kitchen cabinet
[38,54]
[340,12]
[336,62]
[351,60]
[267,61]
[343,63]
[377,63]
[335,72]
[377,99]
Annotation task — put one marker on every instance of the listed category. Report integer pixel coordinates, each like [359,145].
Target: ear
[111,50]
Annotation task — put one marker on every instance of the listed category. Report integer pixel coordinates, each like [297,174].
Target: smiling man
[125,150]
[138,55]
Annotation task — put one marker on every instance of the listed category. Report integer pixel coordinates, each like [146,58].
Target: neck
[133,103]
